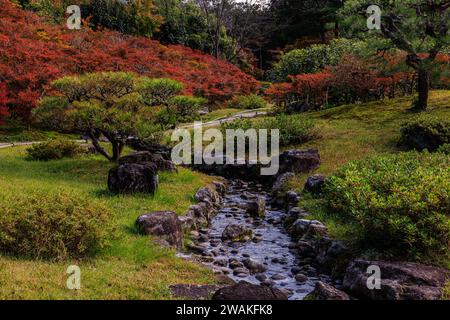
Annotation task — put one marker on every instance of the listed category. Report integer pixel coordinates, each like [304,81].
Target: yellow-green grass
[354,132]
[133,267]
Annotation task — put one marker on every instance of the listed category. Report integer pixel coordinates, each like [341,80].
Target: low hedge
[54,149]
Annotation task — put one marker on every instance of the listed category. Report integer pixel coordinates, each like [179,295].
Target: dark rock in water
[315,184]
[240,270]
[133,177]
[162,224]
[399,280]
[299,161]
[323,291]
[236,233]
[302,227]
[254,266]
[278,276]
[235,263]
[299,277]
[246,291]
[256,207]
[261,277]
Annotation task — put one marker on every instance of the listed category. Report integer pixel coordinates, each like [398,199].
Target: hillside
[33,53]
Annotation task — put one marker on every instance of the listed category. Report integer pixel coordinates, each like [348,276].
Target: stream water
[270,246]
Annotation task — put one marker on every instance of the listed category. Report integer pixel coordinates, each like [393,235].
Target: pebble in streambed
[261,252]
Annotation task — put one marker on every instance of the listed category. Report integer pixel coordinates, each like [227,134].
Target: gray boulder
[315,184]
[246,291]
[299,161]
[236,233]
[254,266]
[323,291]
[162,224]
[256,207]
[310,228]
[399,280]
[133,177]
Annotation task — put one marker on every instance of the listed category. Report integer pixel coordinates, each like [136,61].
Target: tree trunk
[98,147]
[423,87]
[117,150]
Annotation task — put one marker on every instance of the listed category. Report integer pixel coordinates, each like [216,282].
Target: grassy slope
[355,131]
[133,267]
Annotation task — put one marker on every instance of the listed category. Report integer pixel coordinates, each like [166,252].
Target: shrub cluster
[293,128]
[252,101]
[397,204]
[314,58]
[51,226]
[54,149]
[425,132]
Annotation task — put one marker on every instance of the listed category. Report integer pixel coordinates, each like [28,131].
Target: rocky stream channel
[246,241]
[237,229]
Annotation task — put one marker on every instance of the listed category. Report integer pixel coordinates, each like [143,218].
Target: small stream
[271,245]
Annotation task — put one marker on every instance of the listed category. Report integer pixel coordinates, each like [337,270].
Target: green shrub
[314,58]
[52,226]
[293,128]
[187,107]
[445,149]
[425,132]
[398,205]
[252,101]
[54,149]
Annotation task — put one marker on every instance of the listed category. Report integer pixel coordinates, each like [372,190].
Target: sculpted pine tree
[115,105]
[418,27]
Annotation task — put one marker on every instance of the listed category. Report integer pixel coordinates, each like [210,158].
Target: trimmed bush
[54,149]
[425,132]
[252,101]
[52,226]
[398,205]
[293,128]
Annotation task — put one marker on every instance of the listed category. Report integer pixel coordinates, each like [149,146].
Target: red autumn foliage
[3,101]
[33,53]
[313,88]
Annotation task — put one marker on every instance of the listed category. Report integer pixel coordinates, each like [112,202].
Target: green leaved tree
[418,27]
[115,105]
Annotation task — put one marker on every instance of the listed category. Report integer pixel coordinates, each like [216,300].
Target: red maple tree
[33,53]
